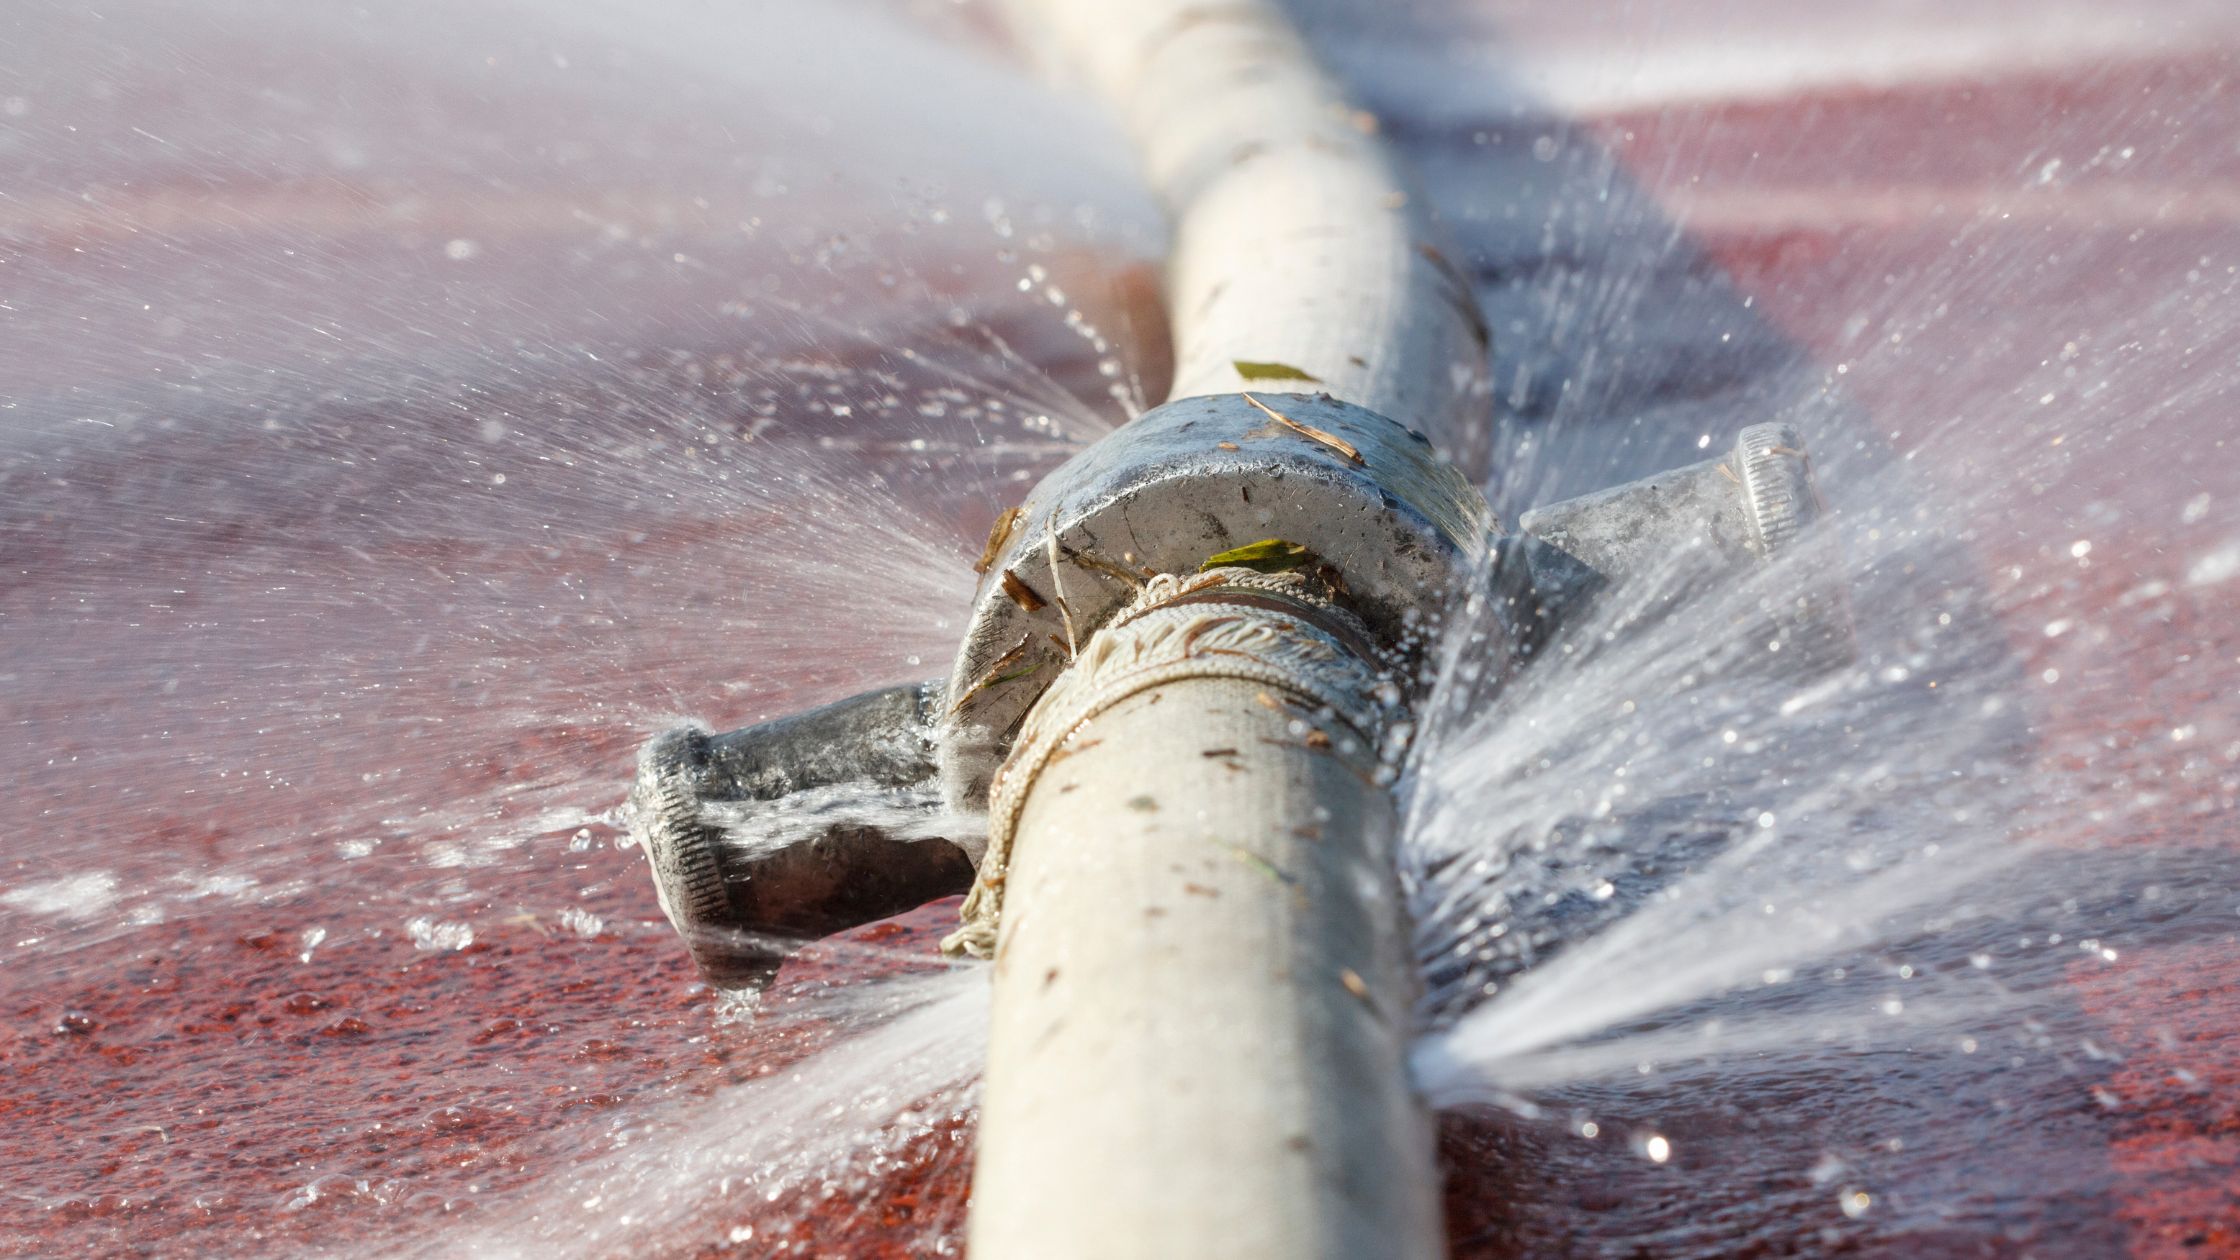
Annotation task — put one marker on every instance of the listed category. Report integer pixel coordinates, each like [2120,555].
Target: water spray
[1163,763]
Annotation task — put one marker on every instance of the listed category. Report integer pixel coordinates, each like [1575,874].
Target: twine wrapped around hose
[1284,631]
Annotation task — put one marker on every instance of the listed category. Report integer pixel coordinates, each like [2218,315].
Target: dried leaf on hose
[998,535]
[1091,560]
[1269,555]
[1022,594]
[1331,440]
[997,672]
[1253,370]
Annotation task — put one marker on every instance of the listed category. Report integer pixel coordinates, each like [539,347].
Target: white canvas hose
[1201,987]
[1202,996]
[1298,241]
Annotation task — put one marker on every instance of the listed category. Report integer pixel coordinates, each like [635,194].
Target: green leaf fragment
[1269,555]
[1015,675]
[1253,370]
[1254,860]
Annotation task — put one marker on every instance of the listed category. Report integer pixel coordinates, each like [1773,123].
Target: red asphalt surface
[289,672]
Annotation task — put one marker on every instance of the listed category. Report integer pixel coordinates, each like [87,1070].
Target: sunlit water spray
[812,442]
[885,1082]
[1678,816]
[397,434]
[1655,883]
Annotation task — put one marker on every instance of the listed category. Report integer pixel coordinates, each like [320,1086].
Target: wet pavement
[402,420]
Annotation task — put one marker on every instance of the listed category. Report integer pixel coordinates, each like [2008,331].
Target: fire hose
[1184,696]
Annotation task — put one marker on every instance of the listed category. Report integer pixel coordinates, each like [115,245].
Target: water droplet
[430,935]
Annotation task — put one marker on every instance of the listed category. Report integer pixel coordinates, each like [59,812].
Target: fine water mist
[403,414]
[1876,941]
